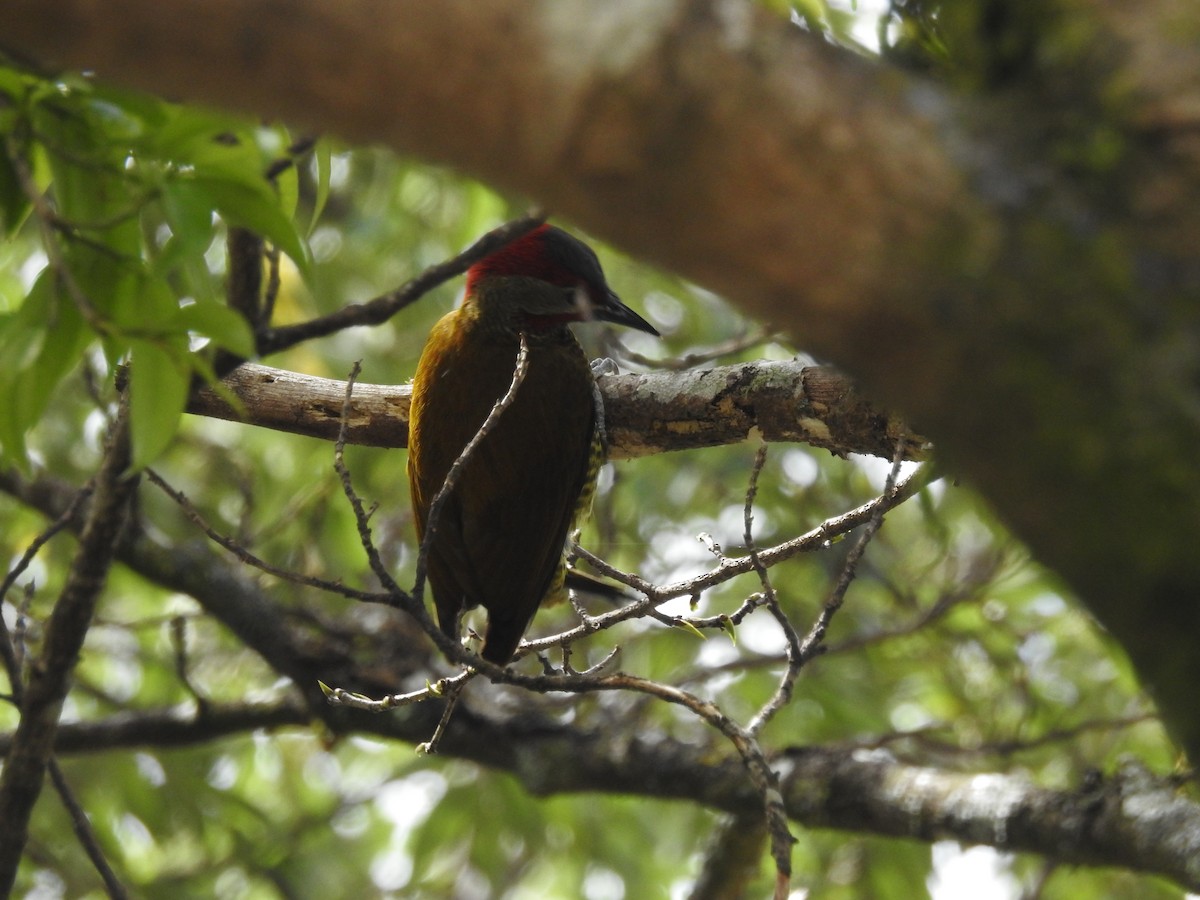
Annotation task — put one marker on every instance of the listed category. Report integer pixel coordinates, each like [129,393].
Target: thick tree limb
[645,414]
[1129,821]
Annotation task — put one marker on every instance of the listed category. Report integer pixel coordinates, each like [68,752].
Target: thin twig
[787,682]
[178,628]
[773,806]
[341,697]
[736,344]
[8,650]
[764,778]
[383,307]
[946,603]
[409,603]
[813,641]
[84,833]
[731,567]
[361,516]
[453,690]
[452,476]
[250,559]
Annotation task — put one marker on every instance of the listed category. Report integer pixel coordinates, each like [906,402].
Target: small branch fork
[40,698]
[11,654]
[776,812]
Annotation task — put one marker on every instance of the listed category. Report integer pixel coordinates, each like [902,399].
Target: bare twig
[731,567]
[813,641]
[783,693]
[775,811]
[361,517]
[84,833]
[453,689]
[29,756]
[945,603]
[250,559]
[410,603]
[737,344]
[414,600]
[341,697]
[383,307]
[8,651]
[178,628]
[452,476]
[765,780]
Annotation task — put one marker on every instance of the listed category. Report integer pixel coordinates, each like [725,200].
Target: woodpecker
[499,539]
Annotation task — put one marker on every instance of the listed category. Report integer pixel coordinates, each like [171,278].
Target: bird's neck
[504,308]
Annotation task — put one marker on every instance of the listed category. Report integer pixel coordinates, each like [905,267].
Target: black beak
[613,310]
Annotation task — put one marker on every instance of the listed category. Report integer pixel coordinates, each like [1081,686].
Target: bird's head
[547,279]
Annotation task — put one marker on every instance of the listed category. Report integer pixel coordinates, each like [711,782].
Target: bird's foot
[605,365]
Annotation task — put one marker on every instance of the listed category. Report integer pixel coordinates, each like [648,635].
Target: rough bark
[28,755]
[644,414]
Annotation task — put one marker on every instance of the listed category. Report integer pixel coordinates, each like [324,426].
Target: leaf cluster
[125,194]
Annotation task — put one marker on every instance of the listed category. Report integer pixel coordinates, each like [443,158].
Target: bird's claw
[604,366]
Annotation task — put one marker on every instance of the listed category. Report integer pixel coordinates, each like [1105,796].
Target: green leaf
[691,629]
[138,304]
[287,183]
[39,344]
[12,432]
[323,153]
[204,139]
[13,83]
[189,214]
[259,211]
[91,184]
[158,390]
[217,321]
[151,112]
[204,369]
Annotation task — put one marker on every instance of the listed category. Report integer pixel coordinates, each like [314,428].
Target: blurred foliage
[952,649]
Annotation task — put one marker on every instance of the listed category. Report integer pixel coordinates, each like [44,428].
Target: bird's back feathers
[499,540]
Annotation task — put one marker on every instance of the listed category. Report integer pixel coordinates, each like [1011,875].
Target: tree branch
[383,307]
[50,676]
[1129,820]
[644,413]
